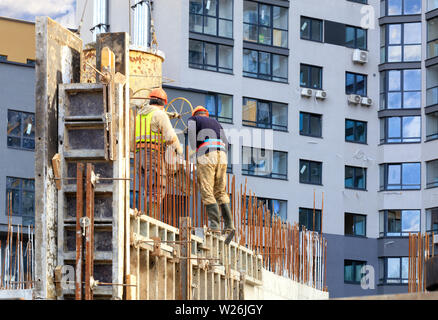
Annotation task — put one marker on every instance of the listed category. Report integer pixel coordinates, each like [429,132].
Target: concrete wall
[276,287]
[17,92]
[16,294]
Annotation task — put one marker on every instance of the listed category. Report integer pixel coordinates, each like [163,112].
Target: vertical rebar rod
[142,142]
[134,195]
[144,195]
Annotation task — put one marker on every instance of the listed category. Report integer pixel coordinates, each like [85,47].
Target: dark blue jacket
[205,129]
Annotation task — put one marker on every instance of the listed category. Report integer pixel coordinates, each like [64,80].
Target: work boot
[228,217]
[213,216]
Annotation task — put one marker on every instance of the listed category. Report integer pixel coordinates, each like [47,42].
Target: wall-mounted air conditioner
[366,101]
[306,92]
[354,98]
[360,56]
[320,94]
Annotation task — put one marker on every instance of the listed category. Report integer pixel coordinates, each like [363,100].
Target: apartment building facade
[339,86]
[17,125]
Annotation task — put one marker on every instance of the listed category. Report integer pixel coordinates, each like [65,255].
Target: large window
[212,17]
[310,77]
[432,220]
[401,42]
[432,174]
[265,65]
[401,7]
[275,207]
[310,172]
[400,89]
[352,271]
[311,29]
[400,129]
[210,56]
[432,38]
[310,124]
[264,114]
[355,178]
[432,126]
[355,131]
[21,193]
[21,130]
[355,224]
[265,24]
[432,85]
[264,163]
[356,84]
[355,37]
[394,270]
[142,26]
[399,223]
[400,176]
[220,107]
[310,219]
[100,18]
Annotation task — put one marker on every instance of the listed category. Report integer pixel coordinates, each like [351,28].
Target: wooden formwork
[212,270]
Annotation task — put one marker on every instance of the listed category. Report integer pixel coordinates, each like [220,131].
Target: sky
[62,11]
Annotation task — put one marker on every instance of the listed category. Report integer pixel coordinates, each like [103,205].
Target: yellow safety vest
[146,132]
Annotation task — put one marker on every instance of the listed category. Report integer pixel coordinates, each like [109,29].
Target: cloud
[62,11]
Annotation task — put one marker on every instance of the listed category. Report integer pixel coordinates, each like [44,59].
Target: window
[275,207]
[210,56]
[21,130]
[3,58]
[394,270]
[432,174]
[359,1]
[355,38]
[355,178]
[100,18]
[355,224]
[401,7]
[401,42]
[432,126]
[265,24]
[307,218]
[212,17]
[355,131]
[230,160]
[310,172]
[400,89]
[30,62]
[310,77]
[264,163]
[399,223]
[432,5]
[21,193]
[220,107]
[352,271]
[400,176]
[264,114]
[400,129]
[432,220]
[310,124]
[141,17]
[311,29]
[265,65]
[356,84]
[432,86]
[432,38]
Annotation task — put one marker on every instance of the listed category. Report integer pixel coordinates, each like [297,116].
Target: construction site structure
[95,235]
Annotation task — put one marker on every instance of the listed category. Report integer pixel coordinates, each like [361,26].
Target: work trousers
[212,177]
[157,169]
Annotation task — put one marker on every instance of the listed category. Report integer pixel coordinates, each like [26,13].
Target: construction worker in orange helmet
[153,127]
[207,136]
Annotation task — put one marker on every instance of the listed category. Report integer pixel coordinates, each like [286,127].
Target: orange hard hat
[158,93]
[200,109]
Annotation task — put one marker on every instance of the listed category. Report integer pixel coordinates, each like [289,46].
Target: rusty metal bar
[79,215]
[144,194]
[89,232]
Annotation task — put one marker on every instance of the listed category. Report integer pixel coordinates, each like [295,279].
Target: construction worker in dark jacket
[207,136]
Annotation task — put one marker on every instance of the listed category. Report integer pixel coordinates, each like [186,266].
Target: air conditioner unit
[320,94]
[360,56]
[354,98]
[366,101]
[305,92]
